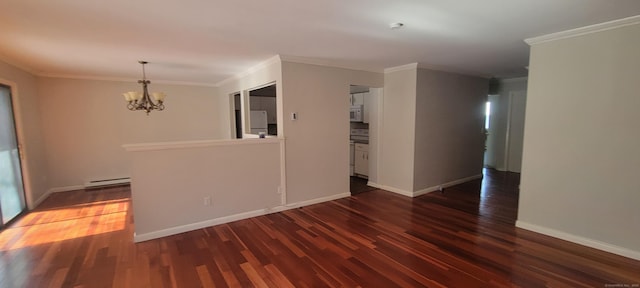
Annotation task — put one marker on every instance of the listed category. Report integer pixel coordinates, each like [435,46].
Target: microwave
[355,113]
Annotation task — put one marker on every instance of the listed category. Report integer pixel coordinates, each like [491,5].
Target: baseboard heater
[93,184]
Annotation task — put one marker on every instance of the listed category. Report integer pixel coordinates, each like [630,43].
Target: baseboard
[462,180]
[54,190]
[447,185]
[41,198]
[310,202]
[425,190]
[231,218]
[391,189]
[196,226]
[65,189]
[580,240]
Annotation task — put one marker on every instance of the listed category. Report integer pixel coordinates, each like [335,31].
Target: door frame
[232,114]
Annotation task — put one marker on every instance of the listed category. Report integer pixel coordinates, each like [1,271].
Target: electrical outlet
[207,201]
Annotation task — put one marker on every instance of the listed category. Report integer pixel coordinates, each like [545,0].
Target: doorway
[489,135]
[505,130]
[361,159]
[12,199]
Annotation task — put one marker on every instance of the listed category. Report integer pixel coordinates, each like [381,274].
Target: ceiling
[207,41]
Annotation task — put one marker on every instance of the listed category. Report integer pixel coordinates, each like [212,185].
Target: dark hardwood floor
[462,238]
[359,185]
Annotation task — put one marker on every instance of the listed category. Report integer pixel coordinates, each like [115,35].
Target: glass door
[11,187]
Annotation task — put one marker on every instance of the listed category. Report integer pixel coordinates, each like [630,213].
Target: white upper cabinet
[362,99]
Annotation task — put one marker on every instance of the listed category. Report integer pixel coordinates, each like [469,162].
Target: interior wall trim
[446,185]
[425,190]
[272,60]
[584,30]
[401,67]
[54,190]
[579,240]
[198,144]
[328,63]
[391,189]
[235,217]
[120,79]
[65,189]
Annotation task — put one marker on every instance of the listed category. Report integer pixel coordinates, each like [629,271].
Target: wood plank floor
[462,238]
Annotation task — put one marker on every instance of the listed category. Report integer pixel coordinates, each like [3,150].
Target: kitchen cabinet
[357,99]
[361,159]
[362,99]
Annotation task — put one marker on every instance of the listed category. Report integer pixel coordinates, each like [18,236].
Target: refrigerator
[258,121]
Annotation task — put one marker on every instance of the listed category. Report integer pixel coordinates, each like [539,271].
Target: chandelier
[142,101]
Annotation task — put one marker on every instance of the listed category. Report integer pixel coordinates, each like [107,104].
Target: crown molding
[18,65]
[434,68]
[401,68]
[31,71]
[272,60]
[118,79]
[584,30]
[296,59]
[327,63]
[454,71]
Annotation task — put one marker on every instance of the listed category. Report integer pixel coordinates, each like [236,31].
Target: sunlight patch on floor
[65,224]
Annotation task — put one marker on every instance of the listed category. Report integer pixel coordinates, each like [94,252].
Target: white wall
[29,130]
[171,180]
[507,113]
[85,123]
[315,149]
[317,144]
[449,122]
[431,130]
[398,130]
[376,96]
[581,159]
[515,136]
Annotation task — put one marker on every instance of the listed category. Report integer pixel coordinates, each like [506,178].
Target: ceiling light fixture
[396,25]
[142,101]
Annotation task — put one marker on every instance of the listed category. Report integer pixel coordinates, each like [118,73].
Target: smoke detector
[396,25]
